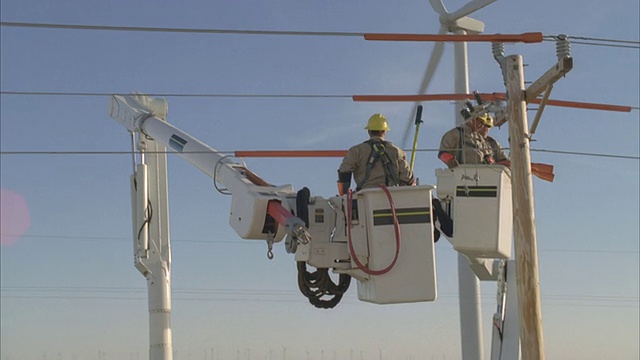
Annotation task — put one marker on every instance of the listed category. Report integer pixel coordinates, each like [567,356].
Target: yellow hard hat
[377,122]
[486,119]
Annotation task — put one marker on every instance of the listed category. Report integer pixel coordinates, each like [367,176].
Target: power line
[178,30]
[634,44]
[245,242]
[241,291]
[257,295]
[607,45]
[53,93]
[207,95]
[11,153]
[631,157]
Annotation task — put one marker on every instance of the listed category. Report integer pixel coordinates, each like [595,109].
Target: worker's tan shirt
[356,162]
[496,149]
[471,150]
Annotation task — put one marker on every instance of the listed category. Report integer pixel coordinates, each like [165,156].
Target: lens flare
[14,216]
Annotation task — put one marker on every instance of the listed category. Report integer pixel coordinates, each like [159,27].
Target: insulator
[469,105]
[498,49]
[478,98]
[563,46]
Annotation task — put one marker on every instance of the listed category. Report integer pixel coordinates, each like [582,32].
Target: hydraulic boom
[382,237]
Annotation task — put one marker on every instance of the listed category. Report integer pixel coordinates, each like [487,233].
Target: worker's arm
[405,174]
[448,146]
[344,182]
[347,167]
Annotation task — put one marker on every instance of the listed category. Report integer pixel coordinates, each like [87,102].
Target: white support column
[461,73]
[159,291]
[505,342]
[511,327]
[158,261]
[468,283]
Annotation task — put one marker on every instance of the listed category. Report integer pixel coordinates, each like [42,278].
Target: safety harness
[378,152]
[487,159]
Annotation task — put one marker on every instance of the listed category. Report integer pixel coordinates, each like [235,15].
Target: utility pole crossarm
[552,75]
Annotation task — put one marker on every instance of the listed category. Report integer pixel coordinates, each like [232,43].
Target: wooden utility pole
[525,243]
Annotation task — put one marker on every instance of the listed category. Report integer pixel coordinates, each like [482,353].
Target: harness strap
[471,145]
[378,152]
[389,170]
[460,142]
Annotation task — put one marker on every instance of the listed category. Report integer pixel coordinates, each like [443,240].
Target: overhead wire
[256,295]
[258,243]
[587,154]
[178,30]
[587,40]
[55,93]
[607,45]
[635,42]
[286,96]
[632,44]
[563,152]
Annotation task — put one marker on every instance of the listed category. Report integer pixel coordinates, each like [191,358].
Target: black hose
[318,285]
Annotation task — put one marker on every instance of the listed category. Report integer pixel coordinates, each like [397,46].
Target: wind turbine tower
[459,23]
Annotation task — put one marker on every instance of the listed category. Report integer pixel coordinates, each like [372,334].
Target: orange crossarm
[584,105]
[487,96]
[543,171]
[530,37]
[291,153]
[427,97]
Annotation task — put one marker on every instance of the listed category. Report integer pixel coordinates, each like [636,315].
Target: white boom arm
[251,195]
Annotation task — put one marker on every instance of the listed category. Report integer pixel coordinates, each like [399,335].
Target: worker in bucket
[470,144]
[375,161]
[497,154]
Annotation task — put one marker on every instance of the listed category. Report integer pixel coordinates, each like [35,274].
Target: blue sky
[69,289]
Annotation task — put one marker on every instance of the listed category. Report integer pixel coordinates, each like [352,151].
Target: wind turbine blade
[434,60]
[438,6]
[469,8]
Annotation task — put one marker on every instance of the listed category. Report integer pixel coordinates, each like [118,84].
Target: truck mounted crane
[382,237]
[358,235]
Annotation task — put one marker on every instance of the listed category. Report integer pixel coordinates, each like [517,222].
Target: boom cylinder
[142,199]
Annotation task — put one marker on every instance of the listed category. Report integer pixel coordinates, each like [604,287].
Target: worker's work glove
[488,159]
[343,188]
[344,183]
[452,163]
